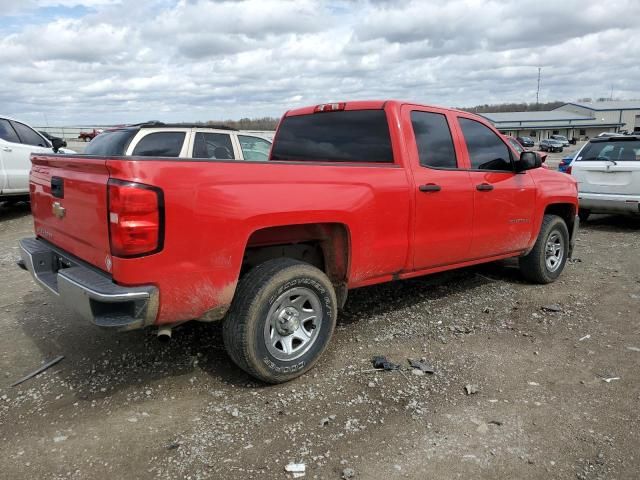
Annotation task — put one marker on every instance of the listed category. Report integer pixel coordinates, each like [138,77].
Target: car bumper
[89,292]
[609,203]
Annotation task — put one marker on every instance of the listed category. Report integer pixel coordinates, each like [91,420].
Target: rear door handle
[484,187]
[6,149]
[430,187]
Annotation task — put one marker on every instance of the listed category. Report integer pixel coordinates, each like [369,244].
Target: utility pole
[538,90]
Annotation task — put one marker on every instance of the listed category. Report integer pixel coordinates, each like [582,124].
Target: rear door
[503,200]
[69,205]
[611,166]
[443,214]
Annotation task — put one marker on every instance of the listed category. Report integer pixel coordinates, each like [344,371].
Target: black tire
[583,214]
[245,323]
[534,265]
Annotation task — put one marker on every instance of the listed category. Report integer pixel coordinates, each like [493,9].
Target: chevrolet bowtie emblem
[58,210]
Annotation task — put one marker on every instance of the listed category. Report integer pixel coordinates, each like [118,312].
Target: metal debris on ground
[551,308]
[38,370]
[587,336]
[471,389]
[421,365]
[382,363]
[611,379]
[296,469]
[633,349]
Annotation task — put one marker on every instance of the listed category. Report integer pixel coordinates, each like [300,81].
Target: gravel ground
[554,370]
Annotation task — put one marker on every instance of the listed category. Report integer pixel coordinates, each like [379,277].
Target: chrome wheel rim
[293,323]
[554,251]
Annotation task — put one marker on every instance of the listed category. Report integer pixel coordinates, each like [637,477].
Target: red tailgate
[69,205]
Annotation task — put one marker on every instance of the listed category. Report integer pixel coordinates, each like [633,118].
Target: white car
[608,173]
[17,142]
[180,141]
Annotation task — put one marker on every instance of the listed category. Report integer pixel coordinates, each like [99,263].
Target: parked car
[185,141]
[565,164]
[17,141]
[608,173]
[353,194]
[561,138]
[550,145]
[525,141]
[88,136]
[52,138]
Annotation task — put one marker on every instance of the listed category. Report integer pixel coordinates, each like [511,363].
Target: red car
[88,136]
[353,194]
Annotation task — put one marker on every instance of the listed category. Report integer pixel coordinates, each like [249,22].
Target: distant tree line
[514,107]
[264,123]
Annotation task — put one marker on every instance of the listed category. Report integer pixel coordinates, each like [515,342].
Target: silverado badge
[58,210]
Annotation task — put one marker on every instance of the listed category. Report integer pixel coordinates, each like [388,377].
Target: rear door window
[486,150]
[342,136]
[433,139]
[7,133]
[160,144]
[213,145]
[254,148]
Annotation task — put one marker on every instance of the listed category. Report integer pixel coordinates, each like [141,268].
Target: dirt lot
[556,369]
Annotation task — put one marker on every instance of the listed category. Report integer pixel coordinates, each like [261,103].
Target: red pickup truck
[353,194]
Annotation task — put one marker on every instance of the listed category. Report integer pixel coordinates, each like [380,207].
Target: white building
[574,120]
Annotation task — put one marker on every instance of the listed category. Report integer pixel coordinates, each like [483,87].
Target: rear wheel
[583,214]
[549,255]
[281,320]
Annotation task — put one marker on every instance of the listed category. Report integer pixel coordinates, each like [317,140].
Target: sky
[75,62]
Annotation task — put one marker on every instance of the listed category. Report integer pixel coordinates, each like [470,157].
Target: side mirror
[57,144]
[528,161]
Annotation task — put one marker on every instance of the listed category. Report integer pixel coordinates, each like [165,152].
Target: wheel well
[323,245]
[566,211]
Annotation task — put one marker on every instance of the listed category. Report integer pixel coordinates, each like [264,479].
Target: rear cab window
[352,136]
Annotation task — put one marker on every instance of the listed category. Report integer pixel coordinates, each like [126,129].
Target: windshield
[618,151]
[111,143]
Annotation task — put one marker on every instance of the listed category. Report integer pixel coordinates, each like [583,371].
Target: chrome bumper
[87,291]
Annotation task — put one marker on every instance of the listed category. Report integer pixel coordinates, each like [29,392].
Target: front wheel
[547,259]
[281,319]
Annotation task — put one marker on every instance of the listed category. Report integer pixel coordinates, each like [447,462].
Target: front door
[503,200]
[443,214]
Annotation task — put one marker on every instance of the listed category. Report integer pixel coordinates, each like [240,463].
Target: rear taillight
[135,218]
[568,170]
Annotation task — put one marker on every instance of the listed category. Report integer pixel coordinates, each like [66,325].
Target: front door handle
[7,149]
[484,187]
[430,187]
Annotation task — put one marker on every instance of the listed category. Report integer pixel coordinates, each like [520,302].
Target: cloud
[122,61]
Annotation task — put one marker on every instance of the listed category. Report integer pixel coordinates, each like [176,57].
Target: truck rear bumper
[87,291]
